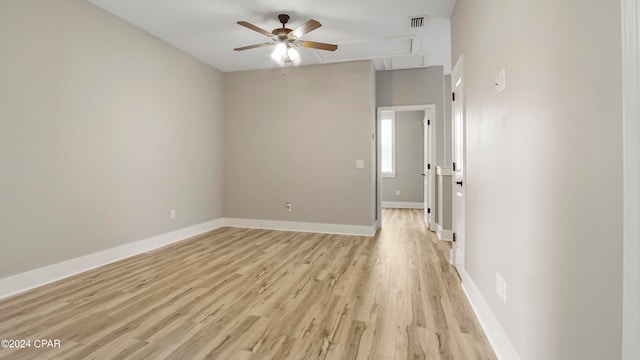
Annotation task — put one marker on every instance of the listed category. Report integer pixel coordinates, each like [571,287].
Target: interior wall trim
[340,229]
[402,205]
[22,282]
[631,178]
[499,341]
[31,279]
[446,235]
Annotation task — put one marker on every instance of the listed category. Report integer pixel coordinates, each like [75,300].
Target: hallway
[424,290]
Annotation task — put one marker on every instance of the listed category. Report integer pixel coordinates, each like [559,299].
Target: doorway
[419,121]
[631,158]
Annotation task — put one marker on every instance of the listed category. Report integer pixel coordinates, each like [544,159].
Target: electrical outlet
[288,206]
[172,214]
[359,164]
[397,192]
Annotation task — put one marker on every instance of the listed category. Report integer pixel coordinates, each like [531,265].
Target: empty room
[417,179]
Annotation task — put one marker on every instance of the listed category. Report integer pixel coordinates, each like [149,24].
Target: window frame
[389,115]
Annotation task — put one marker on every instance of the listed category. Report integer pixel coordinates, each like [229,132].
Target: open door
[458,123]
[426,173]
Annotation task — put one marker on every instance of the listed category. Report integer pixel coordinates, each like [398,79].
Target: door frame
[431,108]
[631,177]
[459,67]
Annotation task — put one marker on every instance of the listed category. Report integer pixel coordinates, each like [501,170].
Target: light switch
[359,164]
[501,81]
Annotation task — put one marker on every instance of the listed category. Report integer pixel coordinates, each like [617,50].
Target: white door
[426,173]
[458,123]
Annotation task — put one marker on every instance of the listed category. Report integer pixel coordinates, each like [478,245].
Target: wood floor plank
[246,294]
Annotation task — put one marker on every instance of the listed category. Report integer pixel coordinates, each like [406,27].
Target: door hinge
[454,236]
[428,166]
[428,122]
[453,96]
[428,210]
[454,166]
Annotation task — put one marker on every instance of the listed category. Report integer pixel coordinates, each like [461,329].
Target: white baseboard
[446,235]
[499,341]
[402,205]
[31,279]
[359,230]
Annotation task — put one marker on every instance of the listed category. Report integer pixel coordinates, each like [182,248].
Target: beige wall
[409,154]
[103,130]
[544,170]
[296,137]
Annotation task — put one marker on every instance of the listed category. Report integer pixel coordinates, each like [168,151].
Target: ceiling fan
[283,38]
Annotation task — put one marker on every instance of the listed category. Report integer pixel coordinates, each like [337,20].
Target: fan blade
[255,28]
[253,46]
[317,45]
[303,29]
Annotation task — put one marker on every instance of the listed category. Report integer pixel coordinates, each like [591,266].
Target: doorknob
[459,182]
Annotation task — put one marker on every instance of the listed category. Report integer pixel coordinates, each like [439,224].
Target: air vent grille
[417,22]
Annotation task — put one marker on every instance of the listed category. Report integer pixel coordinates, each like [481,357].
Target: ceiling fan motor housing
[281,32]
[284,18]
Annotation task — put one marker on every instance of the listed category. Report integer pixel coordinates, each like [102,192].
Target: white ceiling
[363,29]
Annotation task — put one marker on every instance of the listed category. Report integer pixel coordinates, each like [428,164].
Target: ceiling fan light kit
[284,53]
[284,38]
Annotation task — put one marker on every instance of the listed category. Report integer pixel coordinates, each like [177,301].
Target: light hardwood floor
[256,294]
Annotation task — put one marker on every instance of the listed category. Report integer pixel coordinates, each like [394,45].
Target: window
[388,143]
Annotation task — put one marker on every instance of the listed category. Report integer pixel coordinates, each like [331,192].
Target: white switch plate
[504,291]
[172,214]
[359,164]
[501,81]
[501,288]
[397,192]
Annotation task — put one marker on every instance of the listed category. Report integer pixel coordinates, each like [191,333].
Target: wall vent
[417,22]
